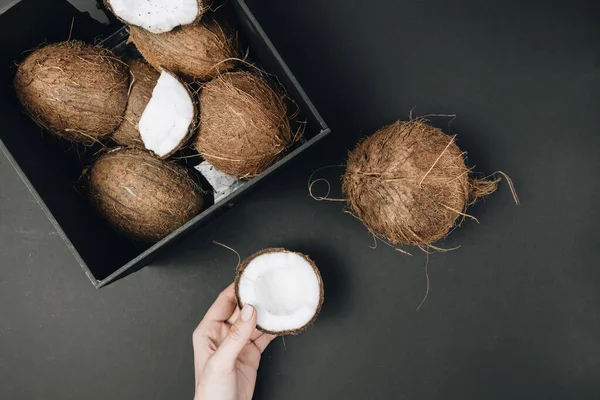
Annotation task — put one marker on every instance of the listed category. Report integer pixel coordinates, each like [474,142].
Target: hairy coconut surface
[141,195]
[77,91]
[157,16]
[143,81]
[199,51]
[408,183]
[244,127]
[284,287]
[169,118]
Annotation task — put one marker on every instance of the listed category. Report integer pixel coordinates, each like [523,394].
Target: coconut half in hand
[157,16]
[284,287]
[169,117]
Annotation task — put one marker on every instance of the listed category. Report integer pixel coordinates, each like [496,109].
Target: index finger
[223,307]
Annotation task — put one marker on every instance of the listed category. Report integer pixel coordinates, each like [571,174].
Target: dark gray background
[512,314]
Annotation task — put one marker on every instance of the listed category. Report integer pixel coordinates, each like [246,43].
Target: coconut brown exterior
[203,6]
[74,90]
[199,51]
[141,195]
[143,80]
[408,183]
[240,272]
[244,128]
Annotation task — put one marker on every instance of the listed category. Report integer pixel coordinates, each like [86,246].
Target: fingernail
[247,312]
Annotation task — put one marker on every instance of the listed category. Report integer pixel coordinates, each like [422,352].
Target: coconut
[160,114]
[77,91]
[157,16]
[169,117]
[284,287]
[408,183]
[244,127]
[199,51]
[143,81]
[141,195]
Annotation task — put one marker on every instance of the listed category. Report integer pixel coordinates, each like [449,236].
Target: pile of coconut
[190,91]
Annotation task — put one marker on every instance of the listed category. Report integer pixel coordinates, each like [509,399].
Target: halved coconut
[168,119]
[284,287]
[143,81]
[157,16]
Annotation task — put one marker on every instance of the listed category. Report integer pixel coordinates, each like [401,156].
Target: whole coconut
[141,195]
[143,81]
[76,91]
[243,127]
[199,51]
[408,183]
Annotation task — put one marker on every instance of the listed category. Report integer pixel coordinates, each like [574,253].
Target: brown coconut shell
[74,90]
[143,80]
[240,272]
[409,184]
[141,195]
[203,7]
[244,128]
[199,51]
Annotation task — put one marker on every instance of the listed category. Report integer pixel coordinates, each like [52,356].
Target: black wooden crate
[51,168]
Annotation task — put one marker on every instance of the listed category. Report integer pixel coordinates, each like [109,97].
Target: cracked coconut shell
[143,81]
[284,287]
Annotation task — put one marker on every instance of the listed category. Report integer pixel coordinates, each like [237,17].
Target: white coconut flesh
[167,117]
[284,289]
[156,16]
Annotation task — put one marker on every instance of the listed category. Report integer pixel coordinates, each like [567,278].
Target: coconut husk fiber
[74,90]
[244,128]
[199,51]
[142,196]
[143,80]
[409,184]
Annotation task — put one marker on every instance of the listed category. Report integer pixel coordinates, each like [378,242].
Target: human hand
[227,349]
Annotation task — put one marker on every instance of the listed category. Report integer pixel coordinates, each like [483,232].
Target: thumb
[239,336]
